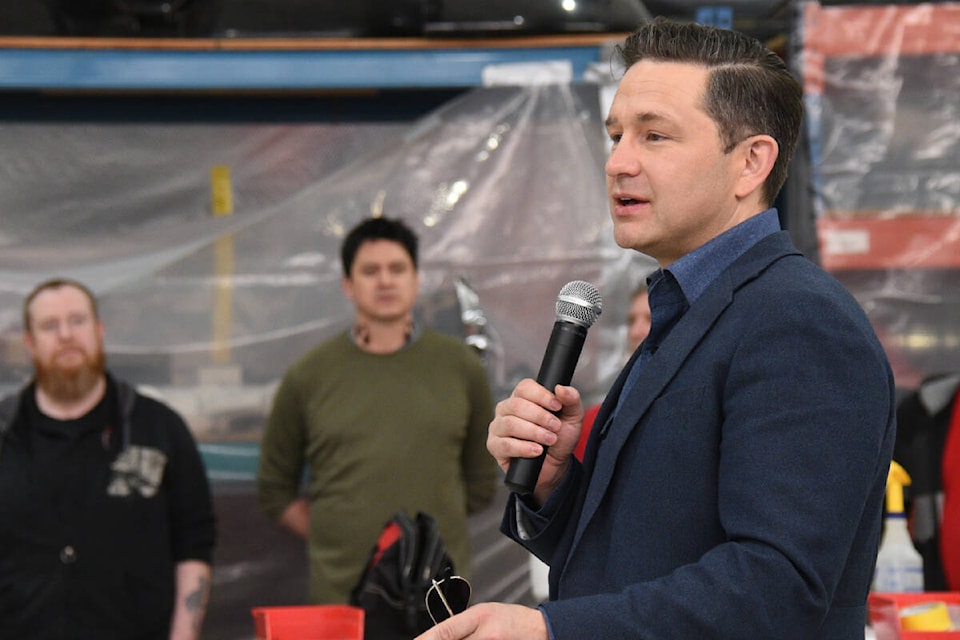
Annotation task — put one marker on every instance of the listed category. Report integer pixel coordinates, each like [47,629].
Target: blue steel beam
[80,68]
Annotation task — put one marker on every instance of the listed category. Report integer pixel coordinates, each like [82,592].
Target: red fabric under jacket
[950,526]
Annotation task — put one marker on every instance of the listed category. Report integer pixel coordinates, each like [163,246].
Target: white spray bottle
[899,565]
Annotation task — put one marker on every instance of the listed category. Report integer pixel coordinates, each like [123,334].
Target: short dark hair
[56,283]
[377,229]
[750,90]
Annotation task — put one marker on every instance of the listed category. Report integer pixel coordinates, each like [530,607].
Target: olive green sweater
[378,433]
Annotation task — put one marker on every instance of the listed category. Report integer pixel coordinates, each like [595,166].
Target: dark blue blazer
[739,491]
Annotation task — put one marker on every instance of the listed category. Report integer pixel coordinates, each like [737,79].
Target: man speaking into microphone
[733,483]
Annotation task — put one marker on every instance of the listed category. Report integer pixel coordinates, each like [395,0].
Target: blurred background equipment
[142,18]
[313,18]
[764,19]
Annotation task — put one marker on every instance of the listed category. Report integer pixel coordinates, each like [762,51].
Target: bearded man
[106,519]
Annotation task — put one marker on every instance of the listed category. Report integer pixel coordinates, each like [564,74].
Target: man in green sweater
[388,415]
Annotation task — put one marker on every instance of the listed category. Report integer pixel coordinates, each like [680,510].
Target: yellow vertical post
[221,204]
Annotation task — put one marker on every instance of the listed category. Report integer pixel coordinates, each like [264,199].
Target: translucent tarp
[504,185]
[882,86]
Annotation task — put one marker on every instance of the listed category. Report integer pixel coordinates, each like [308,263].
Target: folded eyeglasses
[448,597]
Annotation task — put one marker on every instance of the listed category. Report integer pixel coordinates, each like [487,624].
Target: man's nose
[64,330]
[621,162]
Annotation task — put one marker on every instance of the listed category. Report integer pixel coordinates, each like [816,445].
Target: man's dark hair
[750,90]
[377,229]
[56,283]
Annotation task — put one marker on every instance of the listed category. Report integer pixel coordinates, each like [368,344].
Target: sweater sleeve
[281,451]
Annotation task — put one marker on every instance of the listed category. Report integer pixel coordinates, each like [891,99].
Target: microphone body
[577,308]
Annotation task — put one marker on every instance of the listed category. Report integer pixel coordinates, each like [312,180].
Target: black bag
[406,559]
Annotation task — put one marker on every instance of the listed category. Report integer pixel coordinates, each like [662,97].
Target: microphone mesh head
[579,302]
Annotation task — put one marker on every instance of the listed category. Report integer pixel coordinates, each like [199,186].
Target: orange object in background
[885,610]
[308,622]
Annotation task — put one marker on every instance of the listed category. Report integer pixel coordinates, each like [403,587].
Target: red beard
[69,384]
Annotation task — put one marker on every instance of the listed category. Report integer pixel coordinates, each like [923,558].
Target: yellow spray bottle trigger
[897,478]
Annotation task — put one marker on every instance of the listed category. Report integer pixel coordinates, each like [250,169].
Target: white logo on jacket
[137,469]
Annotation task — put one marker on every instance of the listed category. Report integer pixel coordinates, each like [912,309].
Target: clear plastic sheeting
[504,185]
[882,86]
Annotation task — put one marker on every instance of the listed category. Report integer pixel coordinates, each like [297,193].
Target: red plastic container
[308,622]
[885,609]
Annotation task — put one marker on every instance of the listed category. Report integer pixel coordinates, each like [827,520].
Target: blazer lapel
[602,457]
[656,374]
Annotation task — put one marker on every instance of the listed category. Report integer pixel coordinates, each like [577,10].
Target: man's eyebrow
[641,118]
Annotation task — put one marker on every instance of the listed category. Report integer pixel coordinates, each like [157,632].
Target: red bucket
[308,622]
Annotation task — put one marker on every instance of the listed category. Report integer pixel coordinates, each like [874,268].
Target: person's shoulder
[133,398]
[448,344]
[798,278]
[774,267]
[440,338]
[9,403]
[451,355]
[331,349]
[795,291]
[154,419]
[8,410]
[148,402]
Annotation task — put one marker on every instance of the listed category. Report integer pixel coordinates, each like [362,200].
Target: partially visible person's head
[371,229]
[380,271]
[749,91]
[638,317]
[55,284]
[64,334]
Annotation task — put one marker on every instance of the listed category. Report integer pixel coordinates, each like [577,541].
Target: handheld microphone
[578,306]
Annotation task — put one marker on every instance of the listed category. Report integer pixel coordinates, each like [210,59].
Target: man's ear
[759,155]
[28,341]
[347,285]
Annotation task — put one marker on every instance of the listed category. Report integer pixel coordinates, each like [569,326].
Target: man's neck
[382,337]
[60,409]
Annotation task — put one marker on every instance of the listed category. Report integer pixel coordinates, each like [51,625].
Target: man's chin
[68,384]
[628,241]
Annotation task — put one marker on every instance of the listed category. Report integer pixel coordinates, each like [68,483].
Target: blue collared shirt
[699,268]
